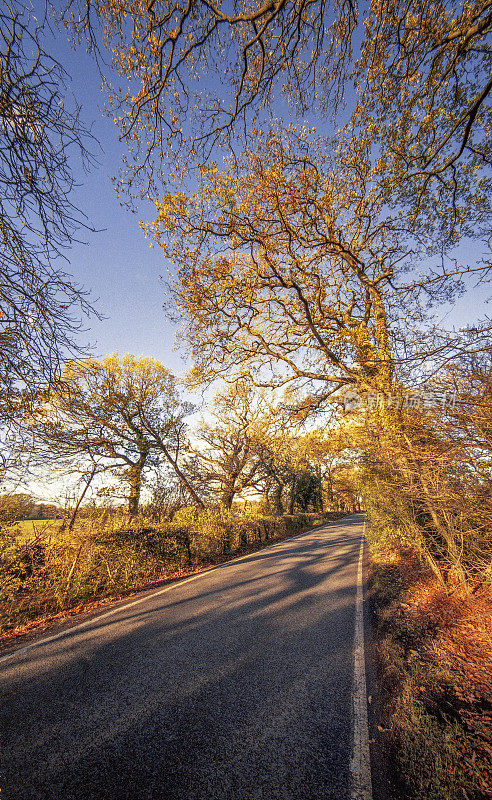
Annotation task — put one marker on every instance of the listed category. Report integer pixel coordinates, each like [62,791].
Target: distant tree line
[20,506]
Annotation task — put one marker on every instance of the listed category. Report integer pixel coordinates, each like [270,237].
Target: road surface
[232,685]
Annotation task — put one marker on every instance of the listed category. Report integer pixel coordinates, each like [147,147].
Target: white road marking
[360,764]
[157,593]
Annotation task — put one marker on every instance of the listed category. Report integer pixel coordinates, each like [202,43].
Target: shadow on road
[236,685]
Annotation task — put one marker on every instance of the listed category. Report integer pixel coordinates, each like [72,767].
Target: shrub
[53,569]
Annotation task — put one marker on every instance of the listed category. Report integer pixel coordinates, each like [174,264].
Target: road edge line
[360,763]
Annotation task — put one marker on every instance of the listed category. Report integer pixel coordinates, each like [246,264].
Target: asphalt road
[235,685]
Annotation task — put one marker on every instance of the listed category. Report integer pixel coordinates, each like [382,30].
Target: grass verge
[435,653]
[55,574]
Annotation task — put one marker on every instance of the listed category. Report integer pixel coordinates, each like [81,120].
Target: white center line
[360,764]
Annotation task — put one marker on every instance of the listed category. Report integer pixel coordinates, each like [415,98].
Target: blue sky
[116,263]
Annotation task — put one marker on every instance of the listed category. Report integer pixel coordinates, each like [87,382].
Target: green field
[27,527]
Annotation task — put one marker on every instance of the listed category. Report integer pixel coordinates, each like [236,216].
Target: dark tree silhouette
[40,133]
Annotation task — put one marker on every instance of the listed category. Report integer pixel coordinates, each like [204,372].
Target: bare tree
[40,133]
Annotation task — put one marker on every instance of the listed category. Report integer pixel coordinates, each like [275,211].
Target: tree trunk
[227,541]
[277,499]
[292,495]
[135,485]
[187,542]
[228,495]
[76,509]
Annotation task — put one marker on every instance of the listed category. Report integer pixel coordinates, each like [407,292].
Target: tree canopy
[415,76]
[118,413]
[316,253]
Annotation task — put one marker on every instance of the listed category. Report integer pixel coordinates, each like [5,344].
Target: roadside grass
[32,527]
[54,573]
[435,652]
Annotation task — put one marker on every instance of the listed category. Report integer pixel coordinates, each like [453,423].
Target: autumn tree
[251,443]
[412,80]
[415,131]
[289,482]
[324,452]
[420,72]
[227,455]
[299,250]
[276,453]
[305,469]
[277,469]
[15,507]
[288,271]
[116,414]
[347,487]
[425,470]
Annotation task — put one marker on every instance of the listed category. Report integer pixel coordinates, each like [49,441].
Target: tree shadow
[241,689]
